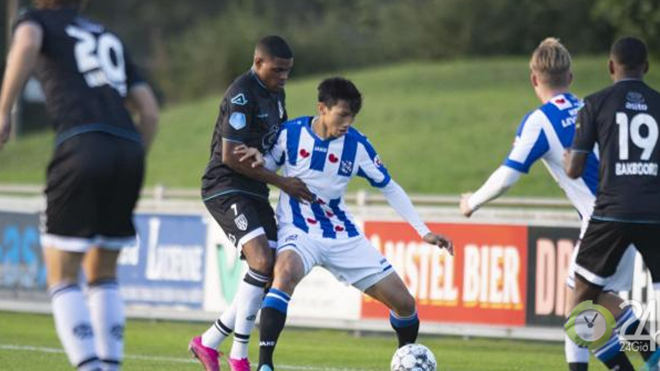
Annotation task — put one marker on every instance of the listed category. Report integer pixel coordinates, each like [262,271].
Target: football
[413,357]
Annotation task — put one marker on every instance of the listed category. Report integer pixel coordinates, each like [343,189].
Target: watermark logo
[590,325]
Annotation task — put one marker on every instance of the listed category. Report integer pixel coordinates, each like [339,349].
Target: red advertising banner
[485,282]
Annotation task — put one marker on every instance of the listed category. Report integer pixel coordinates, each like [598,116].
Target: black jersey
[623,120]
[85,72]
[249,114]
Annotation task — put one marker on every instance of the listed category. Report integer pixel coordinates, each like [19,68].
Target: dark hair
[275,46]
[50,4]
[334,89]
[629,52]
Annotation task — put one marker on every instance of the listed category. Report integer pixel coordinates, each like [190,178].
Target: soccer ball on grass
[413,357]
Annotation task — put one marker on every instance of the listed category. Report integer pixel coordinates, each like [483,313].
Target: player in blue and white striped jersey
[545,134]
[325,152]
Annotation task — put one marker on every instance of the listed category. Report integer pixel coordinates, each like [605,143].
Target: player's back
[85,73]
[546,133]
[625,118]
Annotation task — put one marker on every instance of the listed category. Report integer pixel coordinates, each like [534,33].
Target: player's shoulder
[601,95]
[241,91]
[296,123]
[562,102]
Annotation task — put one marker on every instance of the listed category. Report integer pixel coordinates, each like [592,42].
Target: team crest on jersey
[237,120]
[281,108]
[346,167]
[241,222]
[239,100]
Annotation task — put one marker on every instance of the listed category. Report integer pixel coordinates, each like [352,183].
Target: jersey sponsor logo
[241,222]
[320,149]
[635,101]
[239,100]
[237,120]
[262,115]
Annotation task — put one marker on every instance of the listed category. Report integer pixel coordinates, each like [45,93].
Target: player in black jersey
[236,194]
[96,171]
[623,121]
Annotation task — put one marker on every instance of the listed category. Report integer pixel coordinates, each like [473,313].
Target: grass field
[28,342]
[439,127]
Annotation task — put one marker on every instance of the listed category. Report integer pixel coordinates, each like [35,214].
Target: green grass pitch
[28,342]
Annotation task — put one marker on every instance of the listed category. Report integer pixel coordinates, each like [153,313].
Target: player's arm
[294,187]
[529,146]
[401,203]
[142,100]
[575,160]
[22,59]
[371,168]
[497,184]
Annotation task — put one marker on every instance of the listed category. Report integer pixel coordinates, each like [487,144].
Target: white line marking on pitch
[28,348]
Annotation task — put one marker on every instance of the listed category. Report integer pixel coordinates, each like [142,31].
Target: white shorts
[351,260]
[621,280]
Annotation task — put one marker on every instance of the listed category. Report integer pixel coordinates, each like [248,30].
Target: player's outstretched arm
[294,187]
[399,200]
[21,60]
[496,185]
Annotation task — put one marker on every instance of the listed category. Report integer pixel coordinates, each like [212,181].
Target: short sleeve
[236,115]
[370,166]
[530,143]
[585,130]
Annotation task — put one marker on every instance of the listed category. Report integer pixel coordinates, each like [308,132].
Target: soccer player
[96,172]
[236,193]
[326,153]
[544,134]
[623,121]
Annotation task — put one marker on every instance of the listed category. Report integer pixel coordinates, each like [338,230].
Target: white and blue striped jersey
[326,166]
[545,134]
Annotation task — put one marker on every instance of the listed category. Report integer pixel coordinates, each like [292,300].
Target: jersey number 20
[95,61]
[633,130]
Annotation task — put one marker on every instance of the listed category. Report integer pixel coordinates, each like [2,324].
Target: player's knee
[262,264]
[405,305]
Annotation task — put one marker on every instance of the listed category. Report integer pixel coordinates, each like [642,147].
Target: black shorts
[93,184]
[243,217]
[605,242]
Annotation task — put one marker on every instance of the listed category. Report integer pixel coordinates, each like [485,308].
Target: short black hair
[629,52]
[275,46]
[334,89]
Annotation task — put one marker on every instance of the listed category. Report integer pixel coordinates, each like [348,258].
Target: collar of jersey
[308,126]
[258,80]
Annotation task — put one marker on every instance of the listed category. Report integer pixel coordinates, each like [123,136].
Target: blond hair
[551,61]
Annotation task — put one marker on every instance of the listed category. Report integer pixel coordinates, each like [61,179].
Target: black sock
[619,362]
[406,328]
[578,366]
[271,324]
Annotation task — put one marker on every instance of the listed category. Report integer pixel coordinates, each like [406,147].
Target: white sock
[574,352]
[221,329]
[108,320]
[248,299]
[72,322]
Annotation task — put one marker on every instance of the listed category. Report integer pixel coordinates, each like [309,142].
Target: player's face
[337,119]
[274,72]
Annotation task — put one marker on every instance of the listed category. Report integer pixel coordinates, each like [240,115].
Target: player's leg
[392,292]
[106,306]
[117,192]
[601,250]
[646,237]
[70,224]
[289,271]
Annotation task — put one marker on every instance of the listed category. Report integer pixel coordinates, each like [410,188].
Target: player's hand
[5,129]
[464,206]
[295,188]
[247,153]
[441,241]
